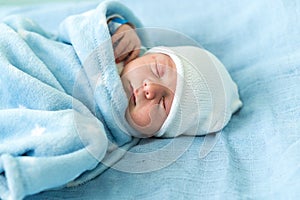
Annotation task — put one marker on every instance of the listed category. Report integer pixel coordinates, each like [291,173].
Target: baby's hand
[126,44]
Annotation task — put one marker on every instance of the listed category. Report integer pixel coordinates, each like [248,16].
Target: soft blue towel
[61,99]
[257,155]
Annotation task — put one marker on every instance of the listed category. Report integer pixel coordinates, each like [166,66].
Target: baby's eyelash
[157,70]
[154,70]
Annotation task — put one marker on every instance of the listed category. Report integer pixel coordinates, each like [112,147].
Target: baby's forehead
[159,58]
[153,55]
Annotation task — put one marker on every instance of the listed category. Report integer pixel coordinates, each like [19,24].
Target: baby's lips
[133,99]
[129,90]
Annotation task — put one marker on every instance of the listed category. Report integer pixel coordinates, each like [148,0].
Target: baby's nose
[152,90]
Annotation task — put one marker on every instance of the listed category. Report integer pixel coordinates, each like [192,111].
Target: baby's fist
[126,44]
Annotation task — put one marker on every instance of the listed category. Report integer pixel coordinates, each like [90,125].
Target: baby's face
[149,82]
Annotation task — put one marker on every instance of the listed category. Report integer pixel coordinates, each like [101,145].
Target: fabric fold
[62,102]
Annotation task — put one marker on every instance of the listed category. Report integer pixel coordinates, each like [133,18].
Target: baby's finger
[123,48]
[128,53]
[121,58]
[116,38]
[134,54]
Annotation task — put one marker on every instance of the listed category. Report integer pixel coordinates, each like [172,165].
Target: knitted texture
[205,95]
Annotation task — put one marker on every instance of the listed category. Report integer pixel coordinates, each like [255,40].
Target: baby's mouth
[134,99]
[132,94]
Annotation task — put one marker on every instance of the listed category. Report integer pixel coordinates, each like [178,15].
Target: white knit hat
[205,95]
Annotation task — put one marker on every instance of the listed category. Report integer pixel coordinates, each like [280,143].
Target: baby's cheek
[157,117]
[147,121]
[140,117]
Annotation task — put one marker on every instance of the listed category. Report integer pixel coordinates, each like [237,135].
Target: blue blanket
[257,155]
[62,103]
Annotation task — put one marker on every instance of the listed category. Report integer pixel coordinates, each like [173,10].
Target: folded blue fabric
[61,101]
[257,155]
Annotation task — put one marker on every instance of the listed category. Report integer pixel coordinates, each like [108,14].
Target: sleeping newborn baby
[178,90]
[173,91]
